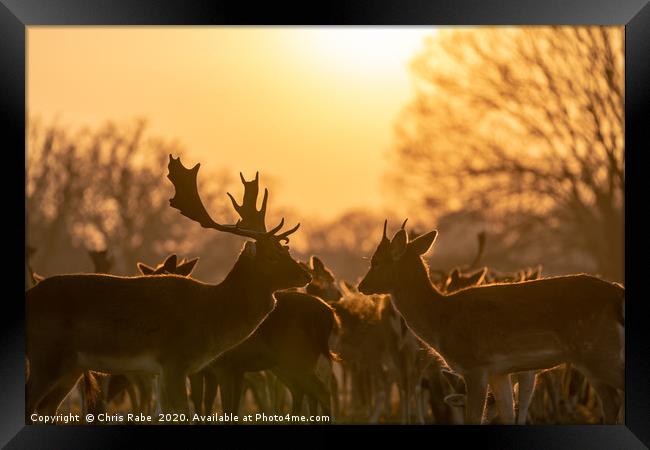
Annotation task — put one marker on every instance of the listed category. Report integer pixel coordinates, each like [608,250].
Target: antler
[251,218]
[188,202]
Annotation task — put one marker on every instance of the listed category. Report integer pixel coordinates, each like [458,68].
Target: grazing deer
[165,324]
[485,333]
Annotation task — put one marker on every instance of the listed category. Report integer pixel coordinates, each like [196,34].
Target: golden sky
[311,108]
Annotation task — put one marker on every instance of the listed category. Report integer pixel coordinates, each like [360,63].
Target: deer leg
[50,403]
[609,400]
[197,391]
[345,392]
[136,403]
[380,385]
[232,386]
[318,394]
[280,394]
[146,391]
[526,390]
[606,376]
[502,390]
[419,404]
[258,382]
[336,401]
[297,396]
[175,391]
[476,385]
[312,403]
[209,390]
[159,396]
[44,375]
[101,402]
[404,389]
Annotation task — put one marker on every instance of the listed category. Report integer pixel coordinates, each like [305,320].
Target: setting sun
[367,52]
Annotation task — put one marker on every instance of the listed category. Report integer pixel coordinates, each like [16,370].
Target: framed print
[384,218]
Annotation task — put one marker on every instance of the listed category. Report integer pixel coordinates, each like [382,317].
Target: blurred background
[517,131]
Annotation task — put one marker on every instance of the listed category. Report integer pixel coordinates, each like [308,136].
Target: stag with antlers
[167,324]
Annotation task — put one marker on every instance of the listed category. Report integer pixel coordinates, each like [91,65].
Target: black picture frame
[16,15]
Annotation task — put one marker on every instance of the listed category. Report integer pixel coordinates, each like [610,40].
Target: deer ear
[478,276]
[145,269]
[347,288]
[455,400]
[37,278]
[250,249]
[423,243]
[398,245]
[186,269]
[170,263]
[455,381]
[316,264]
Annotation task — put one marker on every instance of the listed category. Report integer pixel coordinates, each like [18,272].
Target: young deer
[166,324]
[289,343]
[368,343]
[322,282]
[485,333]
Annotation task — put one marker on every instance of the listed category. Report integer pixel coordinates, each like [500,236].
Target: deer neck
[250,290]
[419,302]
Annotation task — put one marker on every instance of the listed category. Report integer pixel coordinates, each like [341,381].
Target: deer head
[322,282]
[392,254]
[102,260]
[458,280]
[264,255]
[170,265]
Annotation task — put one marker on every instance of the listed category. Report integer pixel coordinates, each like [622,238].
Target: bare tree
[524,125]
[105,188]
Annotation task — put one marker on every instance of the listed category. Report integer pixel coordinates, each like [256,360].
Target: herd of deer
[274,321]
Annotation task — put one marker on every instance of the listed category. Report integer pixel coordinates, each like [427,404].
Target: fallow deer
[289,343]
[322,282]
[369,347]
[525,381]
[165,324]
[485,333]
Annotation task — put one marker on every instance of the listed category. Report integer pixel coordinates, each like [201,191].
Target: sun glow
[312,108]
[366,51]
